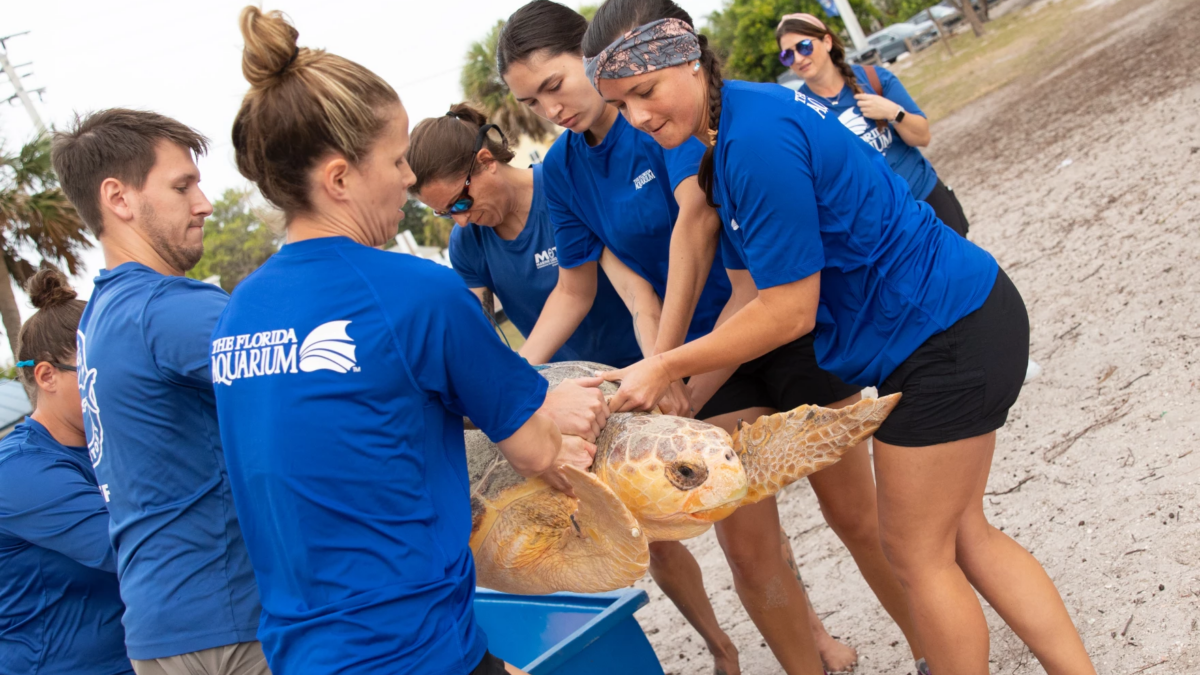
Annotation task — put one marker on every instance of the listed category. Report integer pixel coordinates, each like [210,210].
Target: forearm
[564,310]
[702,387]
[914,130]
[694,243]
[532,449]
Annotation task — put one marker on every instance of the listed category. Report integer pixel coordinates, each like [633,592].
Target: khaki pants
[243,658]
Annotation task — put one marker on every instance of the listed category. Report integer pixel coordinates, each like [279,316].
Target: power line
[15,80]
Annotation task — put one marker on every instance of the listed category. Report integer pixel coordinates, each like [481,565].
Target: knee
[663,554]
[755,565]
[911,560]
[857,527]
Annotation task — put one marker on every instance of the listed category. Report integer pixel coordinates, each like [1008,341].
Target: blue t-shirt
[799,194]
[902,157]
[343,374]
[151,425]
[524,271]
[60,608]
[620,194]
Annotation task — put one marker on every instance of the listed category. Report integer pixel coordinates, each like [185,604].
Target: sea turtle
[655,477]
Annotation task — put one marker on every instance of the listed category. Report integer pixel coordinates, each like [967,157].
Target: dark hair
[616,17]
[540,25]
[441,147]
[837,53]
[114,143]
[302,104]
[49,335]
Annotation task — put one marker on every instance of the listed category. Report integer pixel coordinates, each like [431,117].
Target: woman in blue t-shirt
[887,120]
[60,604]
[611,187]
[836,243]
[504,243]
[342,374]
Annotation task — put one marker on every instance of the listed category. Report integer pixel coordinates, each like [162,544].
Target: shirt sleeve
[894,91]
[179,321]
[458,357]
[683,162]
[468,259]
[771,181]
[574,242]
[47,502]
[729,253]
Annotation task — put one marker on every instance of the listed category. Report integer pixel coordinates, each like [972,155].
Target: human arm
[565,309]
[914,129]
[693,246]
[179,320]
[49,503]
[702,387]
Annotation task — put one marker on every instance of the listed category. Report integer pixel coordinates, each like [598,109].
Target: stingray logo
[645,177]
[866,130]
[328,347]
[87,398]
[733,224]
[817,107]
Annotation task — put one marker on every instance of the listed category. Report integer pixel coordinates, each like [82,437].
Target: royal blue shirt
[151,425]
[618,194]
[343,374]
[799,194]
[524,271]
[60,609]
[902,157]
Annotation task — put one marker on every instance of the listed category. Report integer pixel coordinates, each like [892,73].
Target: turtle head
[678,476]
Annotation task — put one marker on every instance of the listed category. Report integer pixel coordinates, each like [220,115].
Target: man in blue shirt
[191,601]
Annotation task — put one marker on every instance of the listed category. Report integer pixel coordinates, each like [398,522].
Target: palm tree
[482,85]
[35,218]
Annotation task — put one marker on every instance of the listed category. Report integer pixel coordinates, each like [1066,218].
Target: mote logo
[546,258]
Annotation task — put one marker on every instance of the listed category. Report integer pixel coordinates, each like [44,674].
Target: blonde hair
[303,103]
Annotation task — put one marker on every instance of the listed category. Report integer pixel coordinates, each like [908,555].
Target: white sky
[183,59]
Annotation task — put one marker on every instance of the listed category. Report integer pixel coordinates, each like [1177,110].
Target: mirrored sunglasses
[788,56]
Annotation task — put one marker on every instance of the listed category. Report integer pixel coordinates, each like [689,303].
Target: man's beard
[181,256]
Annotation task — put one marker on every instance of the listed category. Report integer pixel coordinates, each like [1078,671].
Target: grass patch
[515,339]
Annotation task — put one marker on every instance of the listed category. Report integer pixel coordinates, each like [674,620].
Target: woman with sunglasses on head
[342,374]
[504,243]
[60,604]
[872,103]
[611,186]
[835,243]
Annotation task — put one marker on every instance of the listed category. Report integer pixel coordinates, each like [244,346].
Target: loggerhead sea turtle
[655,477]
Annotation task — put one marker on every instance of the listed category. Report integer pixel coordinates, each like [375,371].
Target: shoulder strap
[873,79]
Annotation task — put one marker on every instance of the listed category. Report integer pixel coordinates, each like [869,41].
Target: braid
[712,68]
[838,56]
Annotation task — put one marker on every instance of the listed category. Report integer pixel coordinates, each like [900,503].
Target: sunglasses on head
[465,201]
[788,56]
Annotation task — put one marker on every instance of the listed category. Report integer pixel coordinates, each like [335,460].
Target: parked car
[949,17]
[887,43]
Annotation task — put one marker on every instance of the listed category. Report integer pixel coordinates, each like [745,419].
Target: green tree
[236,240]
[35,218]
[743,33]
[482,84]
[588,11]
[427,229]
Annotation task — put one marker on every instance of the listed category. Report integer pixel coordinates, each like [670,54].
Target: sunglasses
[788,56]
[465,201]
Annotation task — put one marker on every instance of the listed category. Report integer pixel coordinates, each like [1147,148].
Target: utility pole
[856,32]
[15,79]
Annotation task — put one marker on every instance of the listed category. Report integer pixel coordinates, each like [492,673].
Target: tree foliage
[237,240]
[427,229]
[482,85]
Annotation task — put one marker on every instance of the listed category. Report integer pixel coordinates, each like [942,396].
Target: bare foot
[725,660]
[837,657]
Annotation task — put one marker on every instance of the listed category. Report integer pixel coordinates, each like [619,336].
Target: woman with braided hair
[870,102]
[836,245]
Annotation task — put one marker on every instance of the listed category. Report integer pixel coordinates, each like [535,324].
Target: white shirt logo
[328,347]
[87,397]
[546,258]
[817,107]
[645,177]
[867,130]
[733,224]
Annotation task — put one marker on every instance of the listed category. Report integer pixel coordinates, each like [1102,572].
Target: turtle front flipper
[546,542]
[778,450]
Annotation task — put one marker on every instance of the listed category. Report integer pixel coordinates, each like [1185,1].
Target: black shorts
[946,207]
[961,382]
[490,665]
[782,379]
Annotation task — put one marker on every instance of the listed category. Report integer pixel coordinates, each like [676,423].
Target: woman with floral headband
[872,103]
[836,244]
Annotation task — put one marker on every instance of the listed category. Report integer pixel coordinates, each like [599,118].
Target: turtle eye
[686,476]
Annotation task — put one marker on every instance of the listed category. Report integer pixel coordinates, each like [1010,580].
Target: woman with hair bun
[504,244]
[60,604]
[342,375]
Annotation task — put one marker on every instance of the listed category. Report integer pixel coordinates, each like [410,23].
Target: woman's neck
[61,430]
[317,226]
[595,134]
[520,186]
[827,83]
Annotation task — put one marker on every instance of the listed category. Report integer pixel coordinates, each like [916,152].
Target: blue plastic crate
[568,633]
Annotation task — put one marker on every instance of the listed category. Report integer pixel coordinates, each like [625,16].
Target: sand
[1084,182]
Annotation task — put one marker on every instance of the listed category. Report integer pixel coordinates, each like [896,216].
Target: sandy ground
[1084,182]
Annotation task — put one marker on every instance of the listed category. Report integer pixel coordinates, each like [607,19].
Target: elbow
[534,465]
[923,140]
[801,328]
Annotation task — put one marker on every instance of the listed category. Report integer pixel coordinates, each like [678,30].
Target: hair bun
[49,288]
[270,45]
[468,113]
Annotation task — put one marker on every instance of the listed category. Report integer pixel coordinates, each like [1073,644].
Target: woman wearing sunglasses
[60,606]
[870,102]
[836,244]
[504,243]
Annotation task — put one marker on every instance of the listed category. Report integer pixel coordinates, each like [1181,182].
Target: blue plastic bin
[568,633]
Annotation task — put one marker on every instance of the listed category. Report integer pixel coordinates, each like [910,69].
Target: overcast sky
[183,59]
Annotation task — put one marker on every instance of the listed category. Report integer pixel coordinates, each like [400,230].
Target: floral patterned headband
[645,49]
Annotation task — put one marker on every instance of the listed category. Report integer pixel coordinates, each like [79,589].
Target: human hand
[677,401]
[877,107]
[642,385]
[575,452]
[578,407]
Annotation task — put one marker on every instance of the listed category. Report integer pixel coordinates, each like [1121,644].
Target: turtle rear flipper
[546,542]
[778,450]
